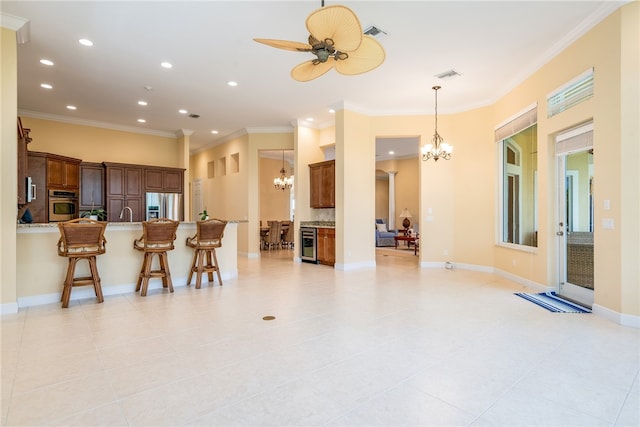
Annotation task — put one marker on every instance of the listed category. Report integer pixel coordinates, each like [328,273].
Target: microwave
[63,205]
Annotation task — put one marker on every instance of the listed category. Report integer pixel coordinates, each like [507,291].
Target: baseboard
[355,266]
[87,292]
[535,286]
[9,308]
[619,318]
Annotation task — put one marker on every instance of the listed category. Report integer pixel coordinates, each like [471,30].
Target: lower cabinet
[326,246]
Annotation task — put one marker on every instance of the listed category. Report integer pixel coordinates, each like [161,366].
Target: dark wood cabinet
[326,246]
[91,186]
[123,185]
[322,177]
[37,169]
[63,173]
[163,180]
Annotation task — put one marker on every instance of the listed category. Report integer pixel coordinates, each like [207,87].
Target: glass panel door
[575,228]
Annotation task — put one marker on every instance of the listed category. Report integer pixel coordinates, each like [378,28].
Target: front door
[575,224]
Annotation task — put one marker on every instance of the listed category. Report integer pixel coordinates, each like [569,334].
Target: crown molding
[96,124]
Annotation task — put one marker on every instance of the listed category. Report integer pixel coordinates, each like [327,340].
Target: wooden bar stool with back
[81,238]
[208,237]
[157,238]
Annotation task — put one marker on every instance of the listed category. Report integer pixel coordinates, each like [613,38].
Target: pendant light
[283,182]
[437,148]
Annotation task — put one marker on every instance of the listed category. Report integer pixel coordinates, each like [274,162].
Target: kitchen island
[41,272]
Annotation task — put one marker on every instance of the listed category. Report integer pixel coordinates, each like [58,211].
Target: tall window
[517,141]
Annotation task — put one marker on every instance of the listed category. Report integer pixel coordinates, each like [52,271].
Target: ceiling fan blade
[337,23]
[368,56]
[308,70]
[285,44]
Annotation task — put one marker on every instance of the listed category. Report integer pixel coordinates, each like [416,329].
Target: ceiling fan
[336,39]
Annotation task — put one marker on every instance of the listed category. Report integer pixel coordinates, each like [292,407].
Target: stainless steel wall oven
[63,205]
[308,237]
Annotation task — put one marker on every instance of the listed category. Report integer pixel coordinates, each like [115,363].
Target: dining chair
[274,237]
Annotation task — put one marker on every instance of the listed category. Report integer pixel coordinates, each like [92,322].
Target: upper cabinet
[63,173]
[163,180]
[91,186]
[322,178]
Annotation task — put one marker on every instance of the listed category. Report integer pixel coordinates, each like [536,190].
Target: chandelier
[437,148]
[283,182]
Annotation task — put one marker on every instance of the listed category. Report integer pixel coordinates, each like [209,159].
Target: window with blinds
[572,93]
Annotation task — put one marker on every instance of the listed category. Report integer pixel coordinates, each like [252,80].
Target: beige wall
[93,144]
[9,169]
[233,192]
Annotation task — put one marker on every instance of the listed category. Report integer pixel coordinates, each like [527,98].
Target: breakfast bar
[41,272]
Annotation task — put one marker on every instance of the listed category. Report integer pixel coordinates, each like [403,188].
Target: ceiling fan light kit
[337,41]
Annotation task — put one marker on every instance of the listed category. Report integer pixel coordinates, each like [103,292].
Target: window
[517,141]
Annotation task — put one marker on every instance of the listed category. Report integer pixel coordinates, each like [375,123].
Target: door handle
[560,233]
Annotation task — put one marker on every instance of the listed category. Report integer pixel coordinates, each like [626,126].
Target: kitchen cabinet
[163,180]
[37,169]
[326,246]
[124,188]
[322,177]
[91,186]
[63,173]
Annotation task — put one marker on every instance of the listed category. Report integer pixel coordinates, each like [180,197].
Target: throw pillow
[382,228]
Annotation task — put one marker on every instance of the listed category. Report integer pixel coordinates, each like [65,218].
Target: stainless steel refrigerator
[164,205]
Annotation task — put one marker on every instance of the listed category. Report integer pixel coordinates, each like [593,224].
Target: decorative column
[392,200]
[183,162]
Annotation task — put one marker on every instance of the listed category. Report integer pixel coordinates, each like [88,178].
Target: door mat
[552,302]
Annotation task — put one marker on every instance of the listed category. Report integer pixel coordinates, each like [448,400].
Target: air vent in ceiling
[448,74]
[374,31]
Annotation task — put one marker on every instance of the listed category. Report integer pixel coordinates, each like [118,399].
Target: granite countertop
[318,224]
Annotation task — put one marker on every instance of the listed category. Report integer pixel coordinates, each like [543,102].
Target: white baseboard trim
[537,287]
[9,308]
[619,318]
[87,292]
[355,266]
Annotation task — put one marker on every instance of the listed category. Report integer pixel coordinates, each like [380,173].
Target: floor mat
[552,302]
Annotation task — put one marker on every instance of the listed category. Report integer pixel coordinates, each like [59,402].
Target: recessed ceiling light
[232,83]
[309,119]
[46,86]
[142,121]
[85,42]
[182,111]
[392,152]
[46,62]
[215,132]
[332,111]
[71,107]
[143,103]
[166,65]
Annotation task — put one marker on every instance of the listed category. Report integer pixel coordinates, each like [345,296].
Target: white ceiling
[494,45]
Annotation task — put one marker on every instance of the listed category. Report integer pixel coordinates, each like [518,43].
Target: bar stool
[208,237]
[81,238]
[157,238]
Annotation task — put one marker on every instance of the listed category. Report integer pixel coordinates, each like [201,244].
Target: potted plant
[203,215]
[95,214]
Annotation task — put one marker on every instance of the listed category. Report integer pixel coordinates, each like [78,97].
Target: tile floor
[398,345]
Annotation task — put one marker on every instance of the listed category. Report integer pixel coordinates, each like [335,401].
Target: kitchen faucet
[130,213]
